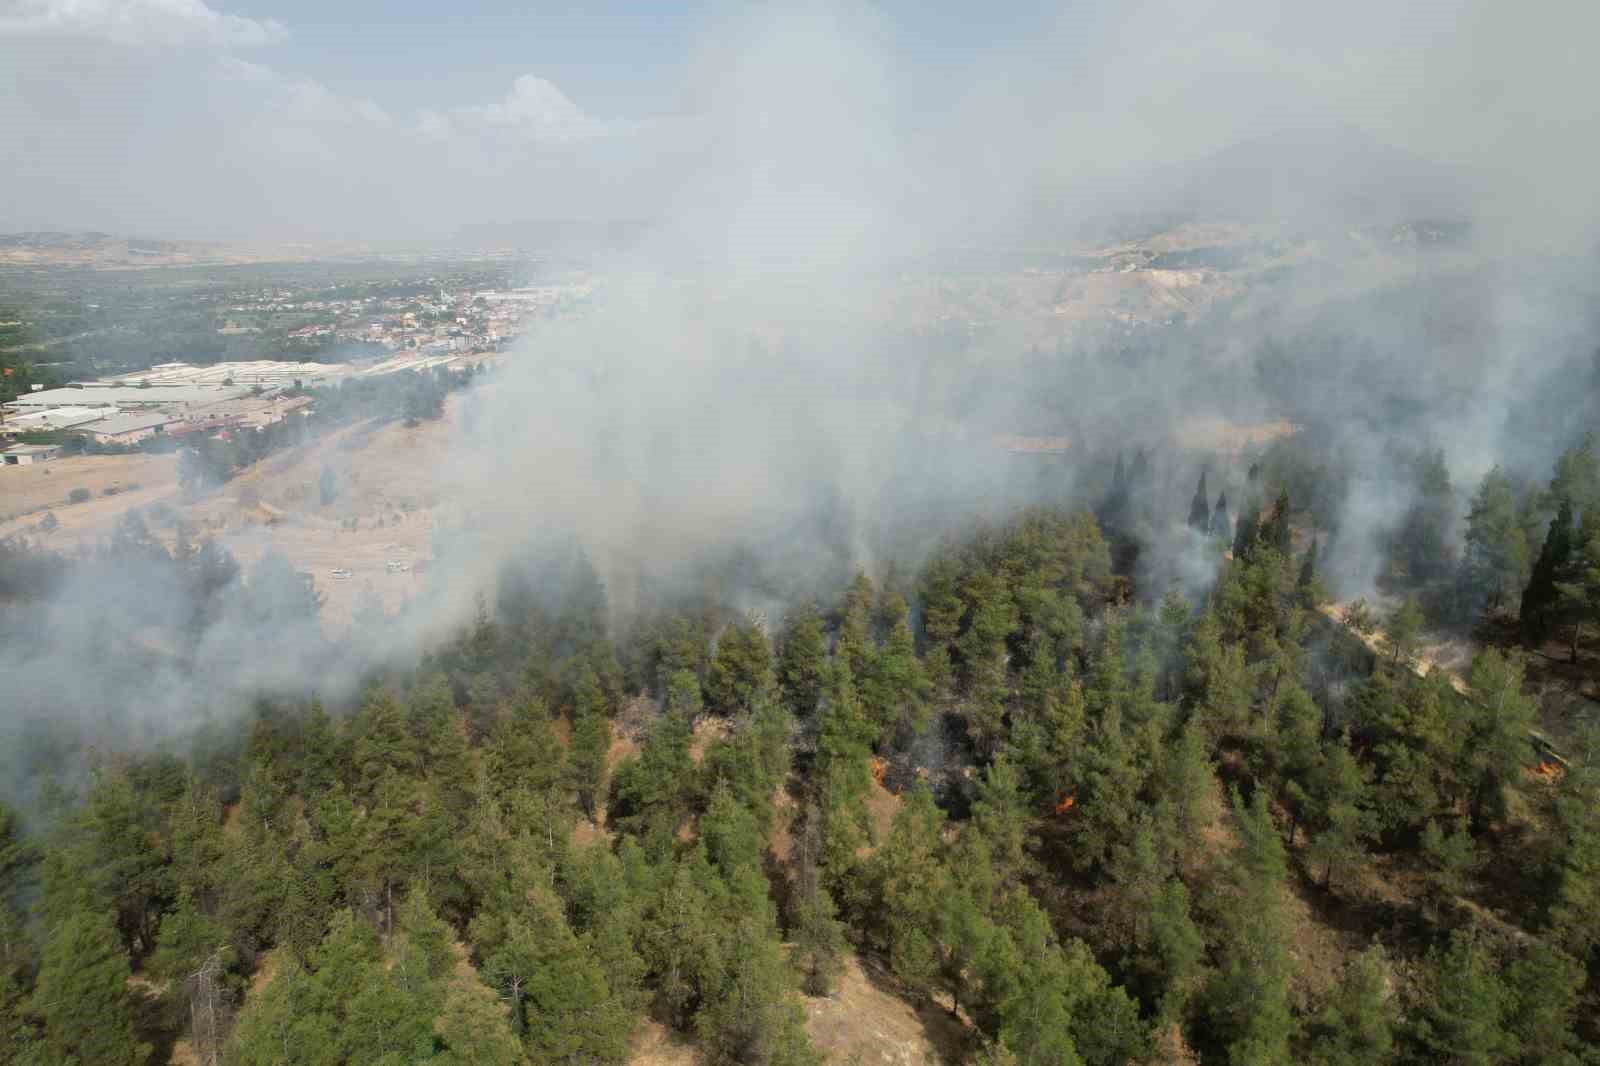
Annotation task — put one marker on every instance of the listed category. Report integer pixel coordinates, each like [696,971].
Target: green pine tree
[1495,565]
[1540,598]
[802,661]
[82,995]
[591,741]
[1460,1005]
[653,792]
[1247,531]
[1543,990]
[843,777]
[1355,1027]
[1247,1001]
[1403,627]
[1578,585]
[741,673]
[194,960]
[814,927]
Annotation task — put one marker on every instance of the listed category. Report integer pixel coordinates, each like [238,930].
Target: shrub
[78,496]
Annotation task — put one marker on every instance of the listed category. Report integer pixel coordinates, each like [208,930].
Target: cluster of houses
[437,324]
[178,398]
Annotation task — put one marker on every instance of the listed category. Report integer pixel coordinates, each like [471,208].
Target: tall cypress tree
[843,775]
[1200,507]
[1140,477]
[1308,567]
[1219,516]
[1276,531]
[1246,532]
[1578,583]
[1114,508]
[1539,597]
[591,741]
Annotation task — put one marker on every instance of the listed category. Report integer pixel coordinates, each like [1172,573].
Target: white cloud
[534,110]
[301,98]
[804,128]
[137,23]
[534,102]
[232,68]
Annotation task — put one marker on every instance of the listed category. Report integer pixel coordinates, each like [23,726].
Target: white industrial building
[129,428]
[133,406]
[28,454]
[94,394]
[267,373]
[54,418]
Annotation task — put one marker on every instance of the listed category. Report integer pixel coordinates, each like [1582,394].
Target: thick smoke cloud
[804,363]
[755,362]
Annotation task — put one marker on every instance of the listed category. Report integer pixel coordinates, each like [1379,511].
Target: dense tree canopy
[1095,822]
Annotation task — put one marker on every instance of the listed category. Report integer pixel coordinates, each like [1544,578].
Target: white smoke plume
[805,360]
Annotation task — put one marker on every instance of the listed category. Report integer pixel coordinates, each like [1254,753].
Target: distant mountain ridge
[95,250]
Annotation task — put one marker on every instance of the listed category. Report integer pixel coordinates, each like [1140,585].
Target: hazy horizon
[273,122]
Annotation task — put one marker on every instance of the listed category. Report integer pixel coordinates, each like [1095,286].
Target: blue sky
[613,59]
[340,118]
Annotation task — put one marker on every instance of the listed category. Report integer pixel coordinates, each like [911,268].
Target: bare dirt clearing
[866,1021]
[656,1045]
[27,491]
[379,525]
[388,498]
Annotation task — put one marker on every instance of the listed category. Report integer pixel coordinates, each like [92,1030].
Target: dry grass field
[27,492]
[387,505]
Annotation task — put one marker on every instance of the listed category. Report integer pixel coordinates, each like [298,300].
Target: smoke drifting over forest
[762,392]
[752,378]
